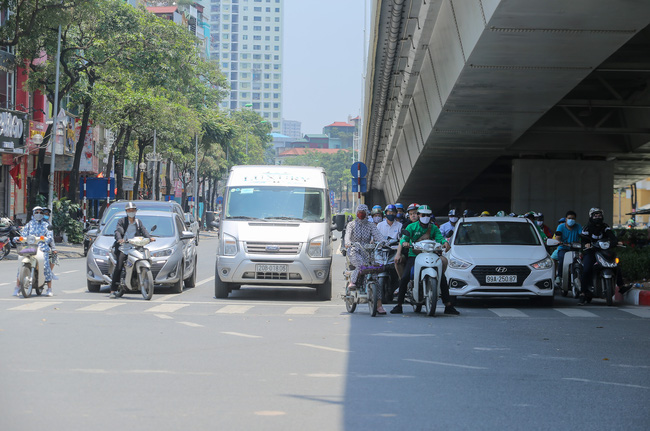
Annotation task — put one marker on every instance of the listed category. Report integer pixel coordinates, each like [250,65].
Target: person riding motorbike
[447,229]
[127,228]
[390,228]
[566,232]
[363,231]
[422,229]
[37,226]
[530,215]
[377,214]
[539,221]
[54,255]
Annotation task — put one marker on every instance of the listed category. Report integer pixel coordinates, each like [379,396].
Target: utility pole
[55,126]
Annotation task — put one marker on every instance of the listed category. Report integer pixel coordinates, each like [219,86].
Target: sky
[323,61]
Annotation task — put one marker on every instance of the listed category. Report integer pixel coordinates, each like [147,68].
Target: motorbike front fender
[139,265]
[608,273]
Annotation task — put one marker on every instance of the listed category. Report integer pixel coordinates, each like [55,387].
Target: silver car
[173,254]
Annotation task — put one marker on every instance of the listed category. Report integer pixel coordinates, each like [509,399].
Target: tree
[29,19]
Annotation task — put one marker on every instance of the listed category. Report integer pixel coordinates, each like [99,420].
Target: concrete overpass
[507,104]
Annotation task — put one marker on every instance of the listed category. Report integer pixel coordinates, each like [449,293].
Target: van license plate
[271,268]
[500,278]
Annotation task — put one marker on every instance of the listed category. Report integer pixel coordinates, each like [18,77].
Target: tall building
[292,128]
[246,39]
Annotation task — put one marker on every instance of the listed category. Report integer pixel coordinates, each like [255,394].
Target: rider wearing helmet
[390,228]
[127,228]
[530,215]
[377,214]
[539,221]
[420,230]
[412,214]
[401,213]
[447,229]
[567,232]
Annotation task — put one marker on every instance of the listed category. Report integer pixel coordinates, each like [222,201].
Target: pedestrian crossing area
[302,309]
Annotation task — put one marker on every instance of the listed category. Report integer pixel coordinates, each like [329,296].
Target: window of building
[245,75]
[276,95]
[276,38]
[277,19]
[234,55]
[245,85]
[256,96]
[268,9]
[267,76]
[277,9]
[257,18]
[276,125]
[226,36]
[244,46]
[225,45]
[235,28]
[267,66]
[257,9]
[276,106]
[266,105]
[257,47]
[276,76]
[276,66]
[267,86]
[267,57]
[267,95]
[276,86]
[245,17]
[257,56]
[233,76]
[233,66]
[244,37]
[233,105]
[244,56]
[276,115]
[276,57]
[277,29]
[257,28]
[268,38]
[224,55]
[245,28]
[256,106]
[257,37]
[267,28]
[224,65]
[244,95]
[276,48]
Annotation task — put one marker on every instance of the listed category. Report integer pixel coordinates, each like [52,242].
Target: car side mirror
[187,235]
[339,221]
[552,242]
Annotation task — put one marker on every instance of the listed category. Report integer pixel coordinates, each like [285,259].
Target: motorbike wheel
[577,284]
[431,297]
[146,284]
[608,290]
[373,298]
[25,279]
[5,251]
[86,246]
[39,290]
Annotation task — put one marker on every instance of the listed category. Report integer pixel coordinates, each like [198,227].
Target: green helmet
[424,209]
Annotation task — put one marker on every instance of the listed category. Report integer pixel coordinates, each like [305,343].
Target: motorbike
[571,270]
[604,274]
[90,234]
[387,280]
[8,233]
[136,274]
[367,290]
[31,275]
[426,275]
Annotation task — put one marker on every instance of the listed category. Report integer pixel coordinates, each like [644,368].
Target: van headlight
[100,252]
[456,263]
[229,245]
[316,247]
[545,263]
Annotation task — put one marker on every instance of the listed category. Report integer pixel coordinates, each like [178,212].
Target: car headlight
[100,252]
[456,263]
[316,247]
[229,245]
[162,253]
[545,263]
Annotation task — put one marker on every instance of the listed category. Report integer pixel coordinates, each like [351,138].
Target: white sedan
[500,256]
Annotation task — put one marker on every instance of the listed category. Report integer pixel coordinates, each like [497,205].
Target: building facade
[292,128]
[246,40]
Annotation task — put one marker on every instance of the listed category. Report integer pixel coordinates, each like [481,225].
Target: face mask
[570,222]
[540,223]
[130,215]
[399,216]
[361,215]
[38,217]
[390,217]
[424,219]
[453,219]
[46,217]
[597,221]
[376,219]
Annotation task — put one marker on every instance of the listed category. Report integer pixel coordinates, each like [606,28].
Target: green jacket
[417,230]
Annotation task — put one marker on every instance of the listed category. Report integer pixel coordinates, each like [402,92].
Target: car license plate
[500,278]
[271,268]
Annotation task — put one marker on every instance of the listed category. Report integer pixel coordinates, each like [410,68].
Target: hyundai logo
[501,269]
[272,248]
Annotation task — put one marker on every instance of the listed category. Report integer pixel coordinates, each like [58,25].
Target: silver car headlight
[229,245]
[162,253]
[100,252]
[316,247]
[456,263]
[545,263]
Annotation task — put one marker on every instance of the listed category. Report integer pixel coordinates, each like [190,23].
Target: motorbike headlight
[316,247]
[162,253]
[31,239]
[545,263]
[457,263]
[603,244]
[229,245]
[100,252]
[606,264]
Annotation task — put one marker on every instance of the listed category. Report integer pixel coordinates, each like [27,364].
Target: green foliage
[64,220]
[637,237]
[635,263]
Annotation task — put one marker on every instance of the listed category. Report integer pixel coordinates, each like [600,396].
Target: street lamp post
[55,124]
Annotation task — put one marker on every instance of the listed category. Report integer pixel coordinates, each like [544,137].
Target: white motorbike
[31,275]
[571,270]
[136,273]
[424,287]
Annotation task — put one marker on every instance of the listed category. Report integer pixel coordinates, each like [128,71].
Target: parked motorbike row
[8,233]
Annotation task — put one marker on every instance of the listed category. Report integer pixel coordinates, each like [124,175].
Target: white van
[275,229]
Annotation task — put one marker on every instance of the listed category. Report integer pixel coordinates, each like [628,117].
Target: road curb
[636,297]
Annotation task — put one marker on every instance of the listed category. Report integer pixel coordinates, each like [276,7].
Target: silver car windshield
[496,233]
[117,208]
[163,225]
[275,203]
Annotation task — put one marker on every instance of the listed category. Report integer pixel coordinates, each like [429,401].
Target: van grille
[272,248]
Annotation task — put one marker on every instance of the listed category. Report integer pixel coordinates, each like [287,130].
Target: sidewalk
[634,297]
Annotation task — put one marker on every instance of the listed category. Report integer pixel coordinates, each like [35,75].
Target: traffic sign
[359,169]
[356,182]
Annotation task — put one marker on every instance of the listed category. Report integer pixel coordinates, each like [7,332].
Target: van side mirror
[339,221]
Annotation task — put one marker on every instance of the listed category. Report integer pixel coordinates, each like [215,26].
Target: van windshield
[279,203]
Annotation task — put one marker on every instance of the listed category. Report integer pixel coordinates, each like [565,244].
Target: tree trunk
[109,164]
[119,165]
[74,173]
[168,181]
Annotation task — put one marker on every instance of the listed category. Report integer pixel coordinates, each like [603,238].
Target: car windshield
[117,208]
[163,224]
[496,233]
[276,203]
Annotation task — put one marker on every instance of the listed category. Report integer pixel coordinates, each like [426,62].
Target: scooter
[7,235]
[571,270]
[424,287]
[31,275]
[387,279]
[367,290]
[136,273]
[604,278]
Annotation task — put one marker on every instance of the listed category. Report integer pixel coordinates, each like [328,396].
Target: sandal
[380,310]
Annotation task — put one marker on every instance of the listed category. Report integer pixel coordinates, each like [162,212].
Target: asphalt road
[279,359]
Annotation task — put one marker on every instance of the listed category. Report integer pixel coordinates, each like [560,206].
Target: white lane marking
[301,310]
[315,346]
[81,290]
[166,308]
[446,364]
[391,334]
[163,316]
[34,306]
[239,334]
[102,306]
[4,284]
[69,272]
[193,325]
[234,309]
[207,280]
[324,375]
[491,349]
[508,312]
[640,312]
[606,383]
[383,376]
[575,312]
[630,366]
[166,297]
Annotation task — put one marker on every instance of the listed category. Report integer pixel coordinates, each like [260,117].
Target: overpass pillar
[555,186]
